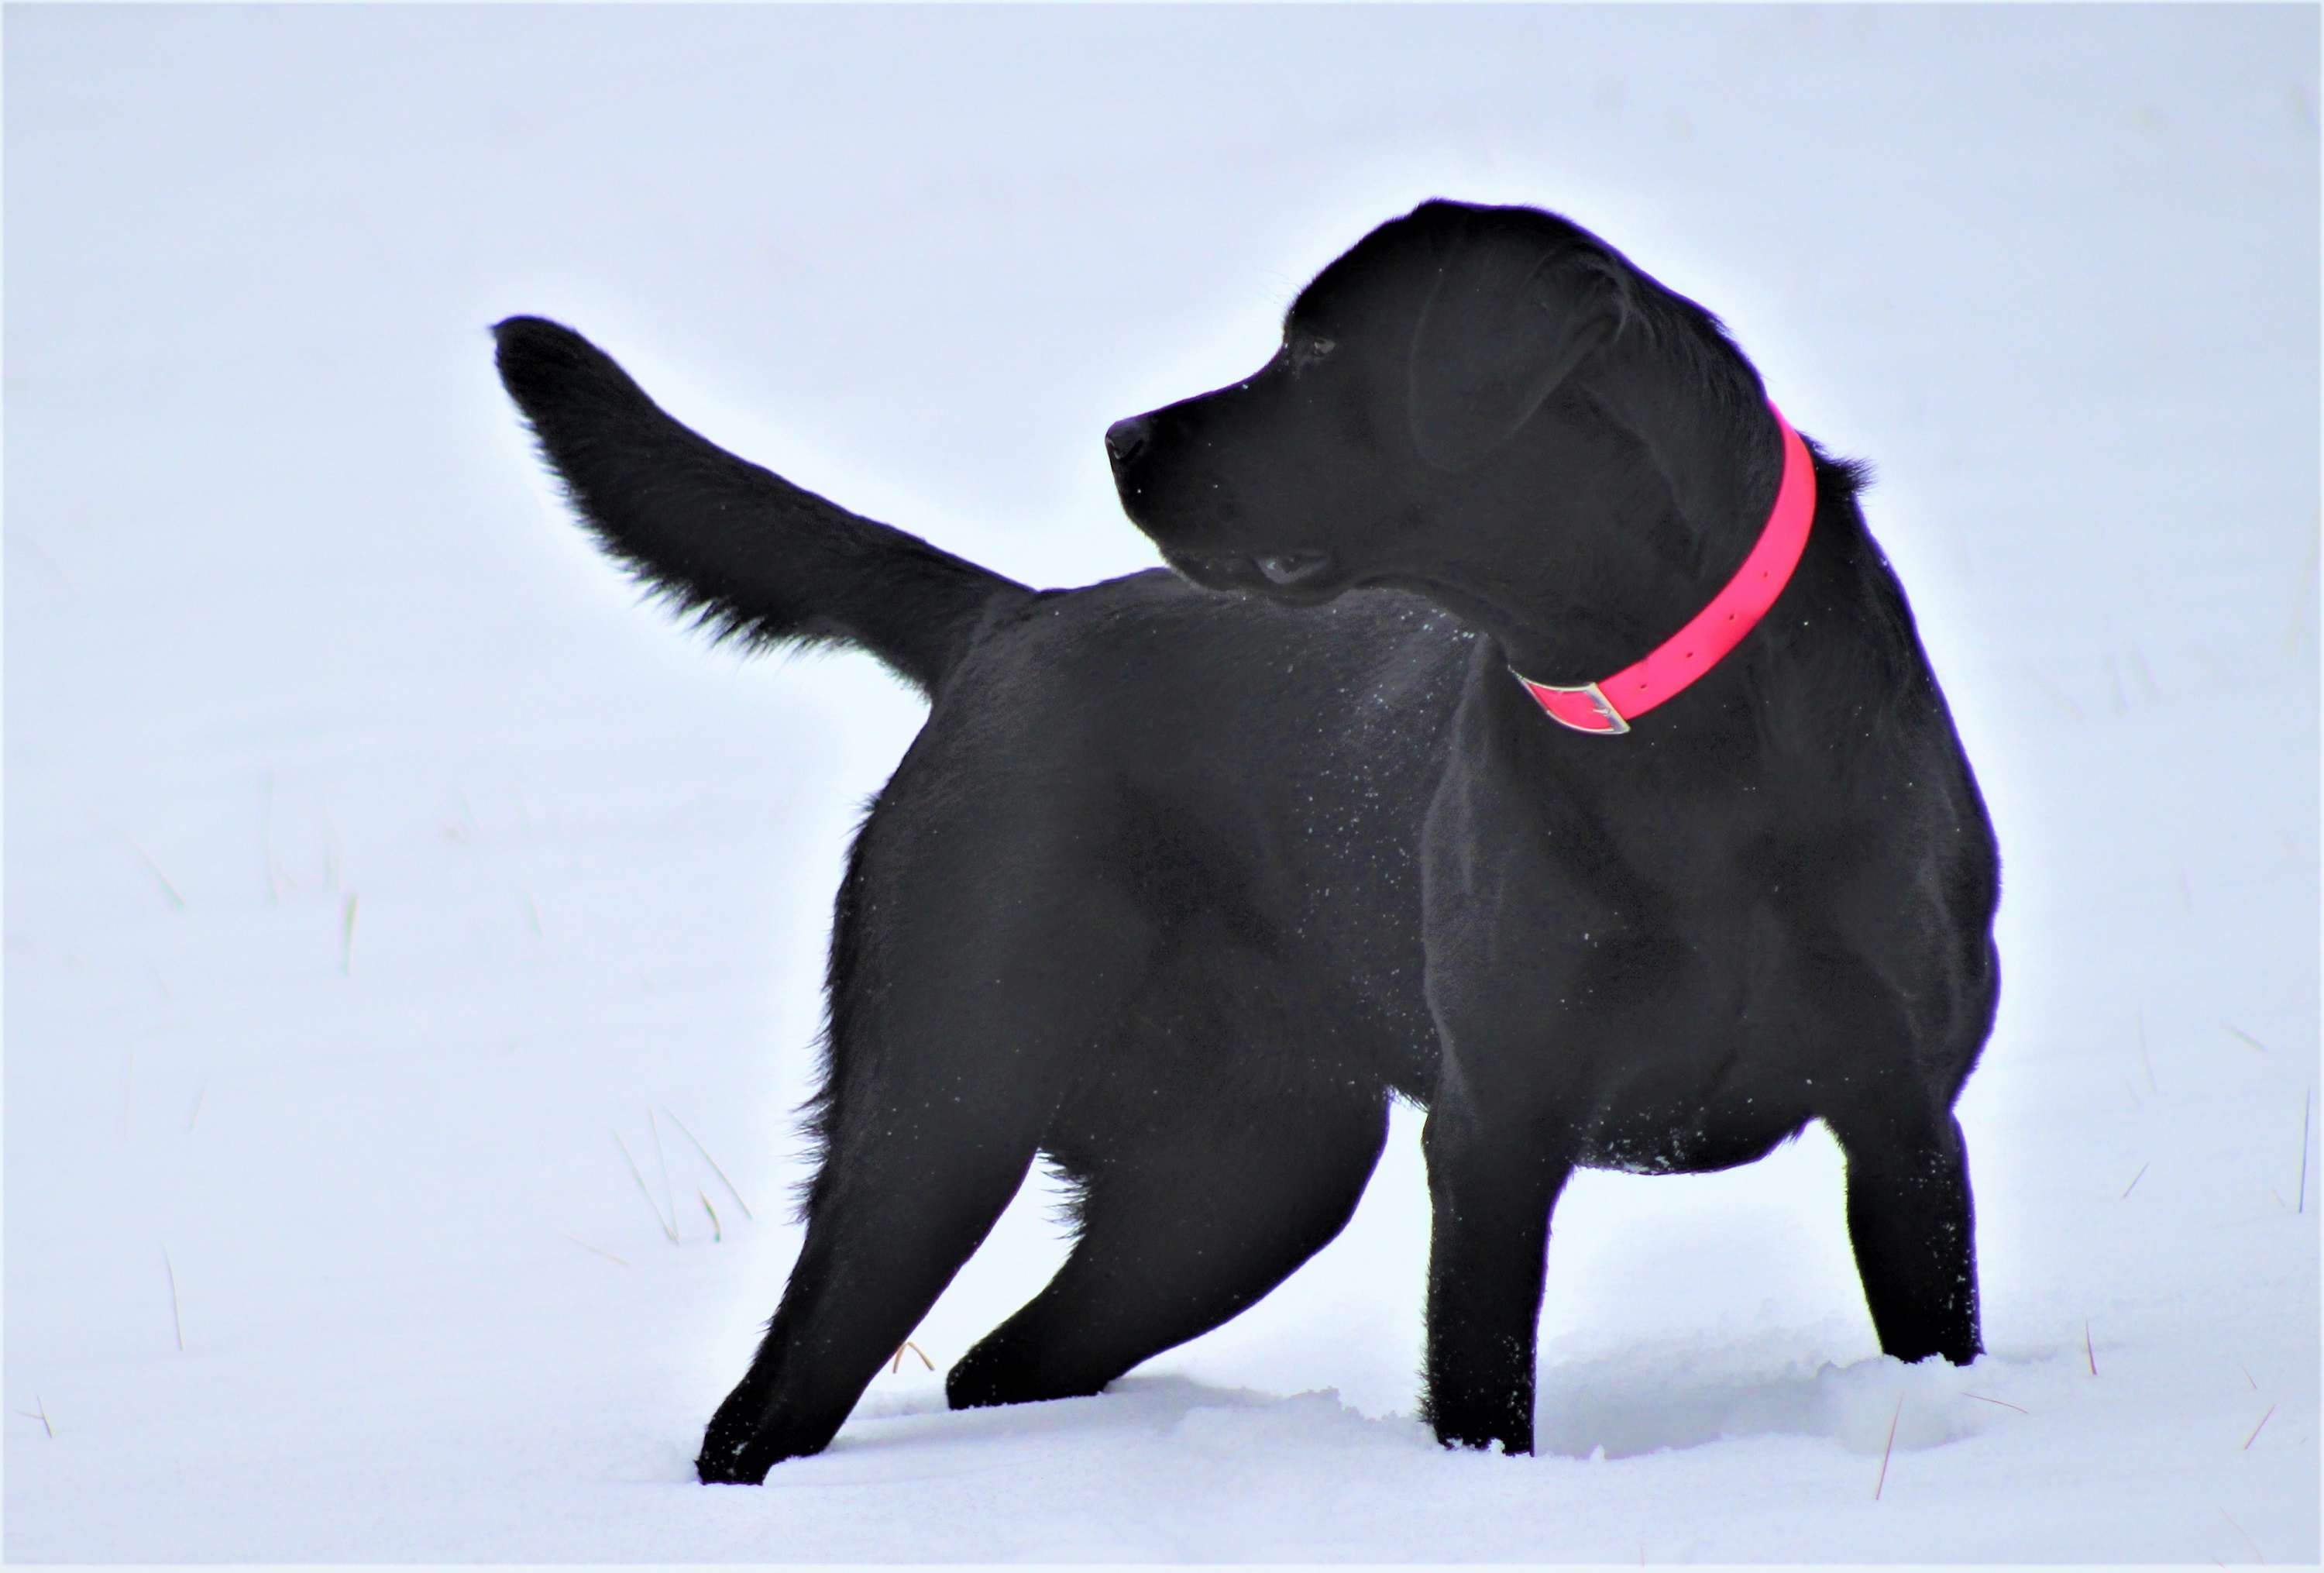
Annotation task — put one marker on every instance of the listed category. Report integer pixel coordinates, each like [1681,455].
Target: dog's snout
[1126,440]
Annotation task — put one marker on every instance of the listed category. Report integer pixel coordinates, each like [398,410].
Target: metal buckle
[1615,725]
[1602,705]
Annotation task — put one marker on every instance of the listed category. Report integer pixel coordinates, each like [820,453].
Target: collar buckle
[1584,710]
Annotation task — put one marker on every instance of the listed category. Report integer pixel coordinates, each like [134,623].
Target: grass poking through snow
[2246,1535]
[585,1244]
[151,867]
[176,1321]
[668,1200]
[721,1174]
[1881,1484]
[2307,1096]
[669,1225]
[665,1207]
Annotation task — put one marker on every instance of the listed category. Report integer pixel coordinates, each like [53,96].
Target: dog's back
[1251,779]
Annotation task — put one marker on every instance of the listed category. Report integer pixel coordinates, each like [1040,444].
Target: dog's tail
[752,556]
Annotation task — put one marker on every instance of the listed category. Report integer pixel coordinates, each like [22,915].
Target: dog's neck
[1607,705]
[1631,563]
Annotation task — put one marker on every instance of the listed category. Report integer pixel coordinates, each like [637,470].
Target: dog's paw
[714,1469]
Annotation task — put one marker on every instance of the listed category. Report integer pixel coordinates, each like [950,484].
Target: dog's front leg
[1913,1224]
[1493,1176]
[1887,1077]
[1501,1136]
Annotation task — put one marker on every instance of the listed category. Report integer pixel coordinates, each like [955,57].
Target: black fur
[752,556]
[1179,886]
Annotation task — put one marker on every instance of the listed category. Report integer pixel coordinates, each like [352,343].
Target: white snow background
[375,860]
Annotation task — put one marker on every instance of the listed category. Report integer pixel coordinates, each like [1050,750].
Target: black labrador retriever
[1188,874]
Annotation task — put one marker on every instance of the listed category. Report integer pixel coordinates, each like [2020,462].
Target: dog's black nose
[1126,440]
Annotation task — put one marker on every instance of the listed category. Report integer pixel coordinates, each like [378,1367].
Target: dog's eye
[1307,349]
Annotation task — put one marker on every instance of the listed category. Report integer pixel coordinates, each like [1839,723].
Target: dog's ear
[1511,315]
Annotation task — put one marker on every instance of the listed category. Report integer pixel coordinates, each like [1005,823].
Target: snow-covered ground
[374,862]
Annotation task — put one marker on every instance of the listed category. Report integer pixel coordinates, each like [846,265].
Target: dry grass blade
[669,1228]
[2002,1402]
[706,1158]
[40,1411]
[2248,1540]
[667,1199]
[347,936]
[585,1244]
[2246,1037]
[176,1321]
[2307,1096]
[1882,1484]
[2138,1176]
[909,1346]
[151,867]
[715,1234]
[2257,1428]
[2089,1350]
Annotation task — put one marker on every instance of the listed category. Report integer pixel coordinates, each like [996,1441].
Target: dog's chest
[1648,958]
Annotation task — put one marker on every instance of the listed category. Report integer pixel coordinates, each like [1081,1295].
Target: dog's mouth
[1298,577]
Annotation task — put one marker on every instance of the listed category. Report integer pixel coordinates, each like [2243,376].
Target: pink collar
[1609,707]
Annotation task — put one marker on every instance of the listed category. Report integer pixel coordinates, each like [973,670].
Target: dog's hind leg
[967,977]
[879,1250]
[1912,1222]
[1184,1222]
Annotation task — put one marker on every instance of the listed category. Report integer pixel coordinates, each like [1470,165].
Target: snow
[374,860]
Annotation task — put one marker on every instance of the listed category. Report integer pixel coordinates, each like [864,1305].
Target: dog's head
[1447,408]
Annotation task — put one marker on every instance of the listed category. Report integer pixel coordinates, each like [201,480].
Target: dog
[1529,727]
